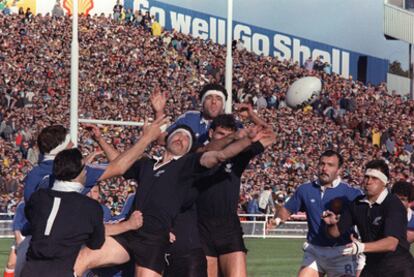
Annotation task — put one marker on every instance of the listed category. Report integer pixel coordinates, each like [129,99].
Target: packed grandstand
[123,61]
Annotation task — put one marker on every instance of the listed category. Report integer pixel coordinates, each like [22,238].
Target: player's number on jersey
[52,215]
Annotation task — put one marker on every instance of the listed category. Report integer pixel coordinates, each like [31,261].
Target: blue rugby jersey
[309,198]
[41,177]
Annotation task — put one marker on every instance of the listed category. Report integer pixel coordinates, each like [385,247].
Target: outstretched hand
[89,159]
[158,100]
[266,137]
[330,218]
[354,248]
[135,221]
[96,132]
[246,106]
[154,130]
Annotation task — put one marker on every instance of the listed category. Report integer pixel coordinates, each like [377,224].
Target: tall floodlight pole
[229,58]
[74,78]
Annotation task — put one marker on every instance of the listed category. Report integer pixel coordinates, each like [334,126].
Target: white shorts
[328,260]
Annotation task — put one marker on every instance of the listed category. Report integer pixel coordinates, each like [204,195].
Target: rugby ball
[303,91]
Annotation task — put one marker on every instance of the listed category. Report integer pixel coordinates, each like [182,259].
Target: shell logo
[84,6]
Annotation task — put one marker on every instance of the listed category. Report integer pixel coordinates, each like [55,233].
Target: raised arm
[254,117]
[212,158]
[281,216]
[125,160]
[110,152]
[158,102]
[134,222]
[219,144]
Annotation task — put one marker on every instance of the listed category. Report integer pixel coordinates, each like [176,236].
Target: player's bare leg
[11,263]
[145,272]
[233,264]
[111,253]
[309,272]
[212,266]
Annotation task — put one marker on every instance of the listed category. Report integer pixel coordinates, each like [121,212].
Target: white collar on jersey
[52,153]
[204,121]
[409,214]
[67,186]
[379,200]
[49,158]
[161,163]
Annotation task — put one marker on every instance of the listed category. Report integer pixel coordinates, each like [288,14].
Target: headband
[185,132]
[377,174]
[213,92]
[61,146]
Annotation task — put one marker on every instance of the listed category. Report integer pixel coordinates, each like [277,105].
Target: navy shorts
[47,268]
[402,267]
[221,236]
[148,250]
[191,264]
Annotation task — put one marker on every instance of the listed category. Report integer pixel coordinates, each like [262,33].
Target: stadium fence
[253,225]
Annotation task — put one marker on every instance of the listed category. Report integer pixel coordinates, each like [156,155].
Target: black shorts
[47,269]
[192,264]
[148,250]
[221,236]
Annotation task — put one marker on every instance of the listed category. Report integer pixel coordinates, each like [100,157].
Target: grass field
[266,257]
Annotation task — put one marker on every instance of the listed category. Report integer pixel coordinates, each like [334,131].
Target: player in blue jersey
[404,191]
[213,98]
[323,254]
[51,141]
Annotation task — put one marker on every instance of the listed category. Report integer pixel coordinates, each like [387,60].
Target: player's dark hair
[68,164]
[331,153]
[403,188]
[226,121]
[381,165]
[50,137]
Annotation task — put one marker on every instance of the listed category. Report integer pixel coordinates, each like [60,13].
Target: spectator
[114,81]
[57,11]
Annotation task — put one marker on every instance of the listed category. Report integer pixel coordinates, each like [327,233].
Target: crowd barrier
[253,225]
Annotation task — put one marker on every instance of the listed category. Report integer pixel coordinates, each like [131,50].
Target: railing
[253,225]
[256,226]
[6,221]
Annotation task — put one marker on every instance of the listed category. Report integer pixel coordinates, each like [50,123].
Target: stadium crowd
[122,61]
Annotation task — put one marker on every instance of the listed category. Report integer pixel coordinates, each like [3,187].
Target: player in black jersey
[163,186]
[62,220]
[218,222]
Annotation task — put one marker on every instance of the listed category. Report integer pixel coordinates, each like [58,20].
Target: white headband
[61,146]
[185,132]
[214,92]
[377,174]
